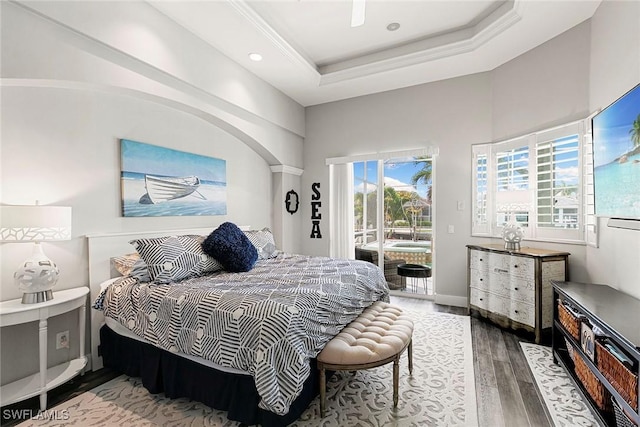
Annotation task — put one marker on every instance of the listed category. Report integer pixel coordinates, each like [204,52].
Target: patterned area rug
[441,391]
[564,403]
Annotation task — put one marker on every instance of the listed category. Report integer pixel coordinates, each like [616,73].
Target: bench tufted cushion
[380,332]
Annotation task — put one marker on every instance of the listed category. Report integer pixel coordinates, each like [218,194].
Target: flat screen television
[616,158]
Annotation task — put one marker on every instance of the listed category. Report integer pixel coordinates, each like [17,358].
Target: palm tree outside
[423,175]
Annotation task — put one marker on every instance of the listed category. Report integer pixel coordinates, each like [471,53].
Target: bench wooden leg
[410,355]
[396,375]
[323,390]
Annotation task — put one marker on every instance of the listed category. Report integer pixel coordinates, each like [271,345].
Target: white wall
[105,42]
[615,68]
[450,114]
[131,49]
[545,87]
[88,73]
[61,147]
[542,88]
[72,86]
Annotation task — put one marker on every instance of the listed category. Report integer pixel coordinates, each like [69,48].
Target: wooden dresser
[512,288]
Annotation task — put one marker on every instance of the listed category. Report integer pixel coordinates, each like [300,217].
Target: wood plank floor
[506,394]
[505,391]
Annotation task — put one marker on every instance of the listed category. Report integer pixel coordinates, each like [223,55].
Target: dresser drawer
[510,286]
[523,313]
[479,298]
[490,302]
[511,266]
[523,290]
[479,279]
[479,260]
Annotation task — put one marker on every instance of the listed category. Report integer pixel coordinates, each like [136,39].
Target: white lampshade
[35,223]
[38,274]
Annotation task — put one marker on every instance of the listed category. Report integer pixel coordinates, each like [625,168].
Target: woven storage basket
[594,387]
[622,420]
[621,378]
[569,321]
[570,349]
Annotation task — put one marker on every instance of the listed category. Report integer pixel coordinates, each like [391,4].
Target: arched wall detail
[213,117]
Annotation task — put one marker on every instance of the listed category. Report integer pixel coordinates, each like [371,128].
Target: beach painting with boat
[158,181]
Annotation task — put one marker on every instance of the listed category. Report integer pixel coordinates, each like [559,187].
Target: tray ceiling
[311,53]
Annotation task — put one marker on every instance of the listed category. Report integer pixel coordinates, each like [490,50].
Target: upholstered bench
[378,336]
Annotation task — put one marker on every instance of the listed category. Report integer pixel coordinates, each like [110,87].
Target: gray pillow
[263,242]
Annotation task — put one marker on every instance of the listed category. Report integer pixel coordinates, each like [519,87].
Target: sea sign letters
[316,216]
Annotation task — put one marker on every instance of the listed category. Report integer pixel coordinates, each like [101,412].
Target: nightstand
[14,312]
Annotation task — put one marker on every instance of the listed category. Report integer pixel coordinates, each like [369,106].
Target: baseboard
[451,300]
[89,366]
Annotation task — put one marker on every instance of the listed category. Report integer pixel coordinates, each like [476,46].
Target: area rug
[441,391]
[563,402]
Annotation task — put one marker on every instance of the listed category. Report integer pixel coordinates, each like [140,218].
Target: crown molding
[446,45]
[297,57]
[291,170]
[456,42]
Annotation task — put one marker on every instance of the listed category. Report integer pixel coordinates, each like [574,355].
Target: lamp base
[512,246]
[35,297]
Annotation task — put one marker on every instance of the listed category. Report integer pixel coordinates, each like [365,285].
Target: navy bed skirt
[162,371]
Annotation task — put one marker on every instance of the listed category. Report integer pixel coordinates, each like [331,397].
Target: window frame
[485,223]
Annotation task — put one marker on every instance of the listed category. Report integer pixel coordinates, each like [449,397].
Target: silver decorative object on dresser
[512,287]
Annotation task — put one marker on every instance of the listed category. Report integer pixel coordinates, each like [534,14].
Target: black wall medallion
[292,201]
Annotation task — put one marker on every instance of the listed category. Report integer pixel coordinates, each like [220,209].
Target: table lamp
[18,224]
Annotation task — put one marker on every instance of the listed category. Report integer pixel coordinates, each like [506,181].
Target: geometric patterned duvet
[268,322]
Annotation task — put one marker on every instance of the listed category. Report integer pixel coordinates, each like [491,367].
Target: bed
[243,342]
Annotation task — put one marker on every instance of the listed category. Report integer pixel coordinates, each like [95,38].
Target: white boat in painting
[164,188]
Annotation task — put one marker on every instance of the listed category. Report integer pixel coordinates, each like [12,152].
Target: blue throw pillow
[229,245]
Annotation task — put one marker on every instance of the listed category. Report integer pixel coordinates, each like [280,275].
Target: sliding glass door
[365,203]
[393,220]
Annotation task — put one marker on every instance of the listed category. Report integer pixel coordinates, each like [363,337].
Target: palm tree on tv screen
[635,132]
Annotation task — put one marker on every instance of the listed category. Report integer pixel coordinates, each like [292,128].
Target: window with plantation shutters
[480,194]
[542,181]
[512,184]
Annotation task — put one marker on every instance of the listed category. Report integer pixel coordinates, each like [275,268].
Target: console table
[13,312]
[618,316]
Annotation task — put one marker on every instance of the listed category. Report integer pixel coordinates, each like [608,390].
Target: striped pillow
[174,258]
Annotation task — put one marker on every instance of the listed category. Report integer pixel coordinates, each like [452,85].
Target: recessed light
[255,57]
[393,26]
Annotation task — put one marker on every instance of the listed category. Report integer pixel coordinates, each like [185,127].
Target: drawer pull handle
[481,299]
[480,259]
[481,280]
[515,266]
[515,289]
[516,311]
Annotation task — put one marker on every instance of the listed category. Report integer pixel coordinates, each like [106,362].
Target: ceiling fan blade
[357,13]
